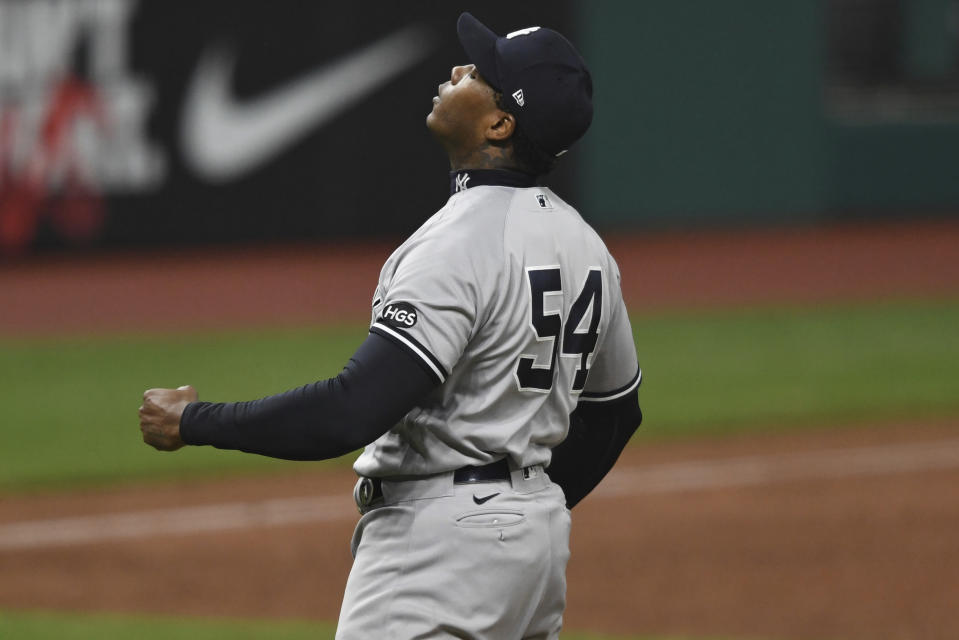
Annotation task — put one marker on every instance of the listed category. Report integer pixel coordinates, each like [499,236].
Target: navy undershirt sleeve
[321,420]
[598,431]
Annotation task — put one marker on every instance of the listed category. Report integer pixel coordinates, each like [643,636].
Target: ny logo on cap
[461,181]
[518,96]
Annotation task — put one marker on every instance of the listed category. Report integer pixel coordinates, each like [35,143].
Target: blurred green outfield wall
[896,167]
[715,113]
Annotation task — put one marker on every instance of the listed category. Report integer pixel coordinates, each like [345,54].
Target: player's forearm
[320,420]
[598,433]
[301,424]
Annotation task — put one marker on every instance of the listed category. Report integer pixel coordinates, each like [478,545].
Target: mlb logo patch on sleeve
[400,315]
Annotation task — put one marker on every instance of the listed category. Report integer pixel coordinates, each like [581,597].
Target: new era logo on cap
[521,32]
[518,96]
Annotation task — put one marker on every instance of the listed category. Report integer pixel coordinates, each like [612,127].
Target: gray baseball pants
[436,559]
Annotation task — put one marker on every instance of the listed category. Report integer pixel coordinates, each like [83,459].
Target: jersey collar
[468,178]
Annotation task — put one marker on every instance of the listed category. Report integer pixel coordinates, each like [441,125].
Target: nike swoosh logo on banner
[223,139]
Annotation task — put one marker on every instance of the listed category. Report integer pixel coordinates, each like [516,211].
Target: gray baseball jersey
[513,303]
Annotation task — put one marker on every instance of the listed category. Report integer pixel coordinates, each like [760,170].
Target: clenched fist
[160,416]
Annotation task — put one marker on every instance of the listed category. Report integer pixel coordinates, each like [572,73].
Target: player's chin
[439,124]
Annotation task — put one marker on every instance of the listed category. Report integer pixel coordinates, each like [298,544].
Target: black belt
[491,472]
[372,488]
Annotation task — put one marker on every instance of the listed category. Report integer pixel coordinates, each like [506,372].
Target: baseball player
[498,383]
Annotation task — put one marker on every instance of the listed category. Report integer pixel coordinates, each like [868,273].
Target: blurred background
[204,192]
[143,123]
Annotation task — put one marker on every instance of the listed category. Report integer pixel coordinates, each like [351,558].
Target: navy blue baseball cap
[542,78]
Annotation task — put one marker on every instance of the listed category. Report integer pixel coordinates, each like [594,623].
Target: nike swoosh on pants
[222,139]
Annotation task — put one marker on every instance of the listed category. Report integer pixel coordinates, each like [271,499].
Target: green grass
[71,410]
[64,626]
[787,368]
[69,405]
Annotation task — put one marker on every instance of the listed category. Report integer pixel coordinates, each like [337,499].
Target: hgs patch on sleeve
[400,315]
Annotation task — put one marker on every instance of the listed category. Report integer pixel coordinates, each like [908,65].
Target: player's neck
[487,156]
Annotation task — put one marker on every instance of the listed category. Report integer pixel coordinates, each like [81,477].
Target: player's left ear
[502,129]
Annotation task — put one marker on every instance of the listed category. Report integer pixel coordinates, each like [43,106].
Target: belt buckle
[363,494]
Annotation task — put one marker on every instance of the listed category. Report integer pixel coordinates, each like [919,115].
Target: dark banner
[154,122]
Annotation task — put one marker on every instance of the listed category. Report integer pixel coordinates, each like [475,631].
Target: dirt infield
[856,538]
[199,289]
[680,548]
